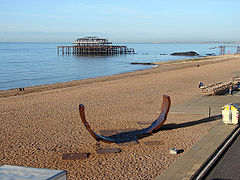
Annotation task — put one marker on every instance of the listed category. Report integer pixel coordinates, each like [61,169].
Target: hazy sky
[120,21]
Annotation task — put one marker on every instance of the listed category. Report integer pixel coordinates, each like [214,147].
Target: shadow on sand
[128,135]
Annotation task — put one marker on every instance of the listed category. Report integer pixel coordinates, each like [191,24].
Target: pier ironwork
[92,45]
[222,49]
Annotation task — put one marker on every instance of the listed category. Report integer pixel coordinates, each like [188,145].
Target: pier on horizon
[92,45]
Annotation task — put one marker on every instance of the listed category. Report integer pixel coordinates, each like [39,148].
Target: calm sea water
[30,64]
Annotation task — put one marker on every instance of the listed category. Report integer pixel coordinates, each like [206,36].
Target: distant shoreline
[170,42]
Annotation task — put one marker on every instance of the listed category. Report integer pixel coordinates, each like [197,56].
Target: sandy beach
[42,123]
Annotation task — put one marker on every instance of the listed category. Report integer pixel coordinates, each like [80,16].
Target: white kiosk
[230,114]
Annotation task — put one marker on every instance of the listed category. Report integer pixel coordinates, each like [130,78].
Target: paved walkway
[228,166]
[201,104]
[191,161]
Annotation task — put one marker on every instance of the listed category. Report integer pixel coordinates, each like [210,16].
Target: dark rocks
[189,53]
[211,54]
[75,156]
[142,63]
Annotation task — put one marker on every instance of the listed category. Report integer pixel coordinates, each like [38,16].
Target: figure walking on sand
[230,89]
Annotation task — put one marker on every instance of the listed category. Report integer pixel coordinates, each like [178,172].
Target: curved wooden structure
[153,127]
[166,103]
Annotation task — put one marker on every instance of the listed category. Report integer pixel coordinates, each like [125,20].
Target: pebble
[173,151]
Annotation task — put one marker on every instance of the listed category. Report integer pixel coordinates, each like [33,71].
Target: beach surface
[42,123]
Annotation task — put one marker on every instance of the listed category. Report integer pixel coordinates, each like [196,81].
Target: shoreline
[40,126]
[159,66]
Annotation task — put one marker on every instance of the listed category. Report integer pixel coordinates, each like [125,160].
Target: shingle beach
[42,123]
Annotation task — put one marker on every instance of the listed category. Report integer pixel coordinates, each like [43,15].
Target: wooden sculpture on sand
[153,127]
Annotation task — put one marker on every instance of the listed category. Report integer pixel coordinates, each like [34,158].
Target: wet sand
[42,123]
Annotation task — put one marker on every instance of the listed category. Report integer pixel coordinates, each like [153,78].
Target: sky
[124,21]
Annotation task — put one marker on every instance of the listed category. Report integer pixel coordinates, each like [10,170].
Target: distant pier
[222,49]
[93,46]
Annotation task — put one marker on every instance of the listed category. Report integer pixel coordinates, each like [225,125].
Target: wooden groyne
[93,46]
[215,89]
[219,87]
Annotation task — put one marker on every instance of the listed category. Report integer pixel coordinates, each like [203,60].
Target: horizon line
[157,42]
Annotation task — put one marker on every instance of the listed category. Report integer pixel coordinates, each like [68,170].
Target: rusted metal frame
[166,103]
[83,49]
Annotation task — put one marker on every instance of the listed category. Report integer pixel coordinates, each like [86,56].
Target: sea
[24,64]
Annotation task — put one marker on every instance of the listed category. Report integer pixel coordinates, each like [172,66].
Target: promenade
[201,155]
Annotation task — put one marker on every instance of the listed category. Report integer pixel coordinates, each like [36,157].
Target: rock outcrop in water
[211,54]
[189,53]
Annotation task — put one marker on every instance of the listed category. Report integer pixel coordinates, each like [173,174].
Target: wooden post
[209,111]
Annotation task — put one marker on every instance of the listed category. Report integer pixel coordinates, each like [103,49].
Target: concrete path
[201,105]
[191,161]
[228,166]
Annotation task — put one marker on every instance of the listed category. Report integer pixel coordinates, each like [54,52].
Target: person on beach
[230,89]
[200,84]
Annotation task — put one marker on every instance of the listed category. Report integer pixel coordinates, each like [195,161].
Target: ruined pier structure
[222,49]
[94,46]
